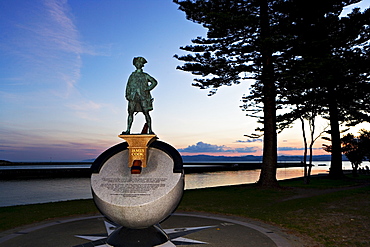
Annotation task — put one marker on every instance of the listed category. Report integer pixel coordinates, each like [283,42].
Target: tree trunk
[310,163]
[305,176]
[354,169]
[336,170]
[312,131]
[268,170]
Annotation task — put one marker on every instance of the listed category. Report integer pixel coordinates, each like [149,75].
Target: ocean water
[31,191]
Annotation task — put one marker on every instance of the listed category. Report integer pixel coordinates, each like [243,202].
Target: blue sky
[63,70]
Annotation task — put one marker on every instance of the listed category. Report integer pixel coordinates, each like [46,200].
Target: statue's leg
[130,119]
[148,121]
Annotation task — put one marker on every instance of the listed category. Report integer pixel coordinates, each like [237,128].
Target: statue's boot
[127,132]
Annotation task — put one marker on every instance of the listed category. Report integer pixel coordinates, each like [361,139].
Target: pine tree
[288,47]
[239,45]
[332,65]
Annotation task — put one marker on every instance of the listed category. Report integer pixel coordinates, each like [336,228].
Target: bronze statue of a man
[138,95]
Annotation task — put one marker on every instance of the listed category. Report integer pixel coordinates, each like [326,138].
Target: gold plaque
[138,147]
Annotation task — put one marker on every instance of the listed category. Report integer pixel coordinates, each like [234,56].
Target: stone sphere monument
[140,182]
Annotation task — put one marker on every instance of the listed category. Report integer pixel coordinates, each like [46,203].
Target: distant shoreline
[29,170]
[195,158]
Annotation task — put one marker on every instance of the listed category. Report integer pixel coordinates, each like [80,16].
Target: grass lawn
[332,212]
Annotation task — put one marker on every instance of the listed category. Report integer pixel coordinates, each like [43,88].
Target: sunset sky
[63,71]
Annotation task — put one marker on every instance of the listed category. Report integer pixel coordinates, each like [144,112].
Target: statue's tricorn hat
[139,59]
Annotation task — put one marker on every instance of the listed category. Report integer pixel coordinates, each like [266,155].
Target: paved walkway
[185,229]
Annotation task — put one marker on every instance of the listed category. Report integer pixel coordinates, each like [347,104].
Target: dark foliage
[300,53]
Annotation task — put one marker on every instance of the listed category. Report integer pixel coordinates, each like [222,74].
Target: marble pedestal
[147,237]
[137,202]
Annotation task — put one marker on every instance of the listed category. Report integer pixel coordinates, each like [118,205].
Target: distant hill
[5,162]
[187,158]
[190,158]
[198,158]
[205,158]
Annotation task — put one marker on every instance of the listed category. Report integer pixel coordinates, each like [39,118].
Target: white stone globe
[137,200]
